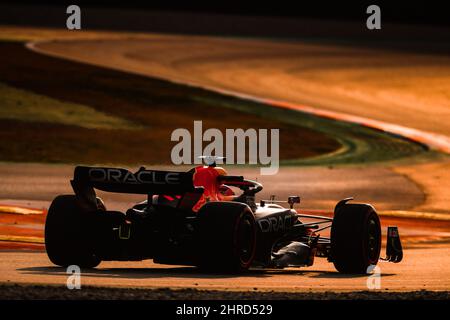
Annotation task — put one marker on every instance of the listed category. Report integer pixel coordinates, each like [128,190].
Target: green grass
[23,105]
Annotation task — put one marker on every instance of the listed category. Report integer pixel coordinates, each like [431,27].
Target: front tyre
[355,238]
[65,242]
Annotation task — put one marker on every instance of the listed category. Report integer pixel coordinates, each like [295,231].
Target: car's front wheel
[355,238]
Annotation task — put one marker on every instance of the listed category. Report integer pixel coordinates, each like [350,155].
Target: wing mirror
[292,200]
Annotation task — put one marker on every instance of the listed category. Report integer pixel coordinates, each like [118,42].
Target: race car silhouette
[196,218]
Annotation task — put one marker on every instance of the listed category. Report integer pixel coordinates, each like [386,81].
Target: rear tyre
[355,238]
[66,242]
[226,236]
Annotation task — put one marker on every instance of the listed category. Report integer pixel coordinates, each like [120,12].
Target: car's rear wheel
[355,238]
[66,241]
[226,236]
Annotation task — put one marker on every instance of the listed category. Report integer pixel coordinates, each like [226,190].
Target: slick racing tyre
[66,242]
[226,236]
[355,238]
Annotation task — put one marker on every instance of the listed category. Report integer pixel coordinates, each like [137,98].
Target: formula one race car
[196,218]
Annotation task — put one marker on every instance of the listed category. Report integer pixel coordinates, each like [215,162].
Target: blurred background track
[400,75]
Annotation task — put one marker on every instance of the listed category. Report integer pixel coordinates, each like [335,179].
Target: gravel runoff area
[40,292]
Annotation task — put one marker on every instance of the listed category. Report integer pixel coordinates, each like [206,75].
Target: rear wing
[149,182]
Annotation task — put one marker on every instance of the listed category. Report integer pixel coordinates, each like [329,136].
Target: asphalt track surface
[34,268]
[258,68]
